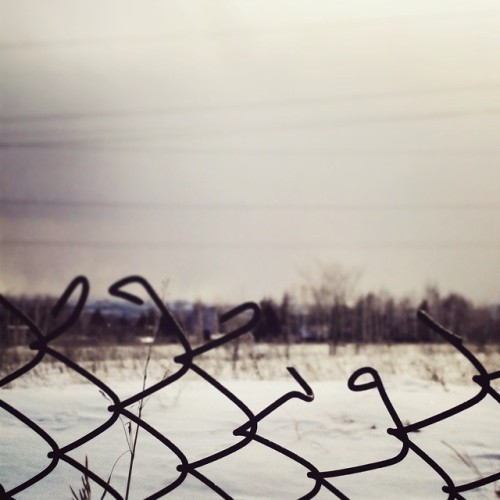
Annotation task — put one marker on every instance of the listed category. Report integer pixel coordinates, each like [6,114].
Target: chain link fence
[364,379]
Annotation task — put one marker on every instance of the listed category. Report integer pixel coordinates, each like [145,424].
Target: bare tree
[328,290]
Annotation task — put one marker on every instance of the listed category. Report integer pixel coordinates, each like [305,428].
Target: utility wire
[117,205]
[288,246]
[270,104]
[302,29]
[226,130]
[152,245]
[229,151]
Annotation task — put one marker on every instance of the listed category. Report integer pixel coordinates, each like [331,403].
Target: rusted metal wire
[323,481]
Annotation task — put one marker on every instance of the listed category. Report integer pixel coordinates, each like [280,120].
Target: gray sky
[226,146]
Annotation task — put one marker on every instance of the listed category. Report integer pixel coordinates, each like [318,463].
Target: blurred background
[228,148]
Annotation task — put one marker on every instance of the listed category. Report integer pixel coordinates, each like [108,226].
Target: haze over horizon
[227,146]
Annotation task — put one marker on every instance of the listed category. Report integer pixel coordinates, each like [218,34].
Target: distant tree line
[103,322]
[336,312]
[377,319]
[325,310]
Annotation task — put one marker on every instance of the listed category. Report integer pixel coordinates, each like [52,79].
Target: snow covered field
[340,428]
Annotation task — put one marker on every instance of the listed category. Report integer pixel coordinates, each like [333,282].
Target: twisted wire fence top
[364,379]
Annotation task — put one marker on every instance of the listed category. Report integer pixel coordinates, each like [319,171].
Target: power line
[201,108]
[231,151]
[228,151]
[224,131]
[240,33]
[118,205]
[252,245]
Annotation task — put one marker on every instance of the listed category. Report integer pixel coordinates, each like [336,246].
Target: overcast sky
[225,146]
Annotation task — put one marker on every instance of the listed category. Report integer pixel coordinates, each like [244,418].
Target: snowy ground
[339,428]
